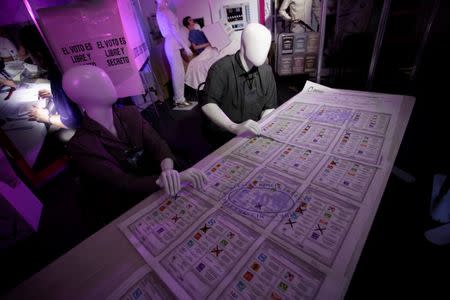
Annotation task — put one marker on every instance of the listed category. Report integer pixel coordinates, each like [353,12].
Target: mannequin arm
[283,10]
[218,117]
[177,35]
[180,41]
[266,112]
[166,164]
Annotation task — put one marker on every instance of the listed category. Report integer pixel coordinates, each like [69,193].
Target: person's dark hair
[31,40]
[186,21]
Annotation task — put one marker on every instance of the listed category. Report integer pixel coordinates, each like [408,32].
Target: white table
[27,136]
[94,268]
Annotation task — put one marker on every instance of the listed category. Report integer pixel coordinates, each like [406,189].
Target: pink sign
[95,34]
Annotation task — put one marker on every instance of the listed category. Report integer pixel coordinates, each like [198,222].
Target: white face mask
[89,86]
[256,40]
[14,68]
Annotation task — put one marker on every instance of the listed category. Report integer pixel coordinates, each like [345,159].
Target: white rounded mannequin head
[255,43]
[89,86]
[162,3]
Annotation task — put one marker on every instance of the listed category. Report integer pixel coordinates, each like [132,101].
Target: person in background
[61,112]
[196,37]
[8,52]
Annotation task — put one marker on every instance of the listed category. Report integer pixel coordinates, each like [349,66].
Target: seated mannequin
[116,150]
[196,37]
[240,89]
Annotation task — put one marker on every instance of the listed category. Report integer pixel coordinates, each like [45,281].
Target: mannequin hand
[188,51]
[39,114]
[170,181]
[195,177]
[249,126]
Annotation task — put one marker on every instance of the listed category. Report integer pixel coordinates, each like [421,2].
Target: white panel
[195,9]
[218,4]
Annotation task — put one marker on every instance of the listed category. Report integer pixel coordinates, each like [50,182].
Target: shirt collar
[240,71]
[91,125]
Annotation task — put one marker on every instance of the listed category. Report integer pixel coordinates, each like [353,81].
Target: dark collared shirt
[241,95]
[101,157]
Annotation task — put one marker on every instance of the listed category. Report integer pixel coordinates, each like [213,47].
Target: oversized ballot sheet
[284,215]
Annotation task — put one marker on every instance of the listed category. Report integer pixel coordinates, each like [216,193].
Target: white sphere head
[89,86]
[255,43]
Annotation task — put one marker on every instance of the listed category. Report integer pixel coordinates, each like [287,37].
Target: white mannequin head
[90,87]
[255,45]
[162,3]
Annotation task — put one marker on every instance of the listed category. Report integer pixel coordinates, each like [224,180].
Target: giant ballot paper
[285,214]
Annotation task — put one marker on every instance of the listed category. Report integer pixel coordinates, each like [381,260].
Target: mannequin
[111,143]
[173,42]
[299,11]
[259,89]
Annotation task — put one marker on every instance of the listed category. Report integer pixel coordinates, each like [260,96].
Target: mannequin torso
[116,149]
[241,88]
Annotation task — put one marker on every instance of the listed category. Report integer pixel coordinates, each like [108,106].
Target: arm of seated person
[266,112]
[218,117]
[42,115]
[200,46]
[7,82]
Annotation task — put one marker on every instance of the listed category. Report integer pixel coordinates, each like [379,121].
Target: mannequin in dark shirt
[115,150]
[240,89]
